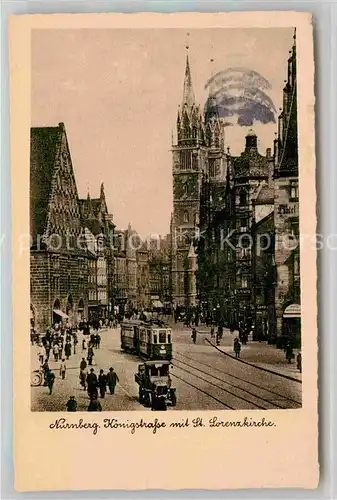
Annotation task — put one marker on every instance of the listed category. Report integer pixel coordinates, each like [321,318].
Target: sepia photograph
[164,250]
[164,220]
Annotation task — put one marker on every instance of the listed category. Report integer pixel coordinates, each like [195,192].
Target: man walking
[56,351]
[94,404]
[237,347]
[83,373]
[112,379]
[92,383]
[63,369]
[90,354]
[50,381]
[102,381]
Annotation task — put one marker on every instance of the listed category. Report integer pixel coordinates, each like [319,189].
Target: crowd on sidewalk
[58,344]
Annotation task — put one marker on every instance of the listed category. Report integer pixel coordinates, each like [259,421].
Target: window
[155,339]
[294,191]
[162,337]
[211,167]
[56,262]
[243,198]
[186,217]
[185,160]
[169,338]
[244,282]
[185,188]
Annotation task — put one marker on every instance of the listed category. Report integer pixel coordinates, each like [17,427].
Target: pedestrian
[83,373]
[56,351]
[40,354]
[45,369]
[63,369]
[102,382]
[67,350]
[90,354]
[194,335]
[50,381]
[98,341]
[237,347]
[94,404]
[92,383]
[112,379]
[75,341]
[83,364]
[289,353]
[84,345]
[299,362]
[71,404]
[212,331]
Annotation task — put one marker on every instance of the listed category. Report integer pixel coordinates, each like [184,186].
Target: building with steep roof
[59,255]
[286,213]
[95,218]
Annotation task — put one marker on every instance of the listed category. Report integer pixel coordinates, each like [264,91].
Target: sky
[118,91]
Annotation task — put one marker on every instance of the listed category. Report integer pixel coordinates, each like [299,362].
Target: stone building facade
[97,220]
[286,212]
[225,265]
[59,256]
[264,269]
[143,278]
[159,271]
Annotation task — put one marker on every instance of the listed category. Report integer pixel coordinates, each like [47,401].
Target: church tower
[189,162]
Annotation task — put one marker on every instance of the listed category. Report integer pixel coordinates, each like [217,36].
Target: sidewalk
[260,354]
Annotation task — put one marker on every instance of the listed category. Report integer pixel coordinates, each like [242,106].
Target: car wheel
[36,379]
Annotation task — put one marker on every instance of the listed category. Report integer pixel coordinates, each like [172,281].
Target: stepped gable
[44,145]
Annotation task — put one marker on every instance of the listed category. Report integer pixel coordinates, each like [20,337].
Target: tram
[151,339]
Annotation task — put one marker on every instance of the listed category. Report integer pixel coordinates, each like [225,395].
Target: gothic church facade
[198,153]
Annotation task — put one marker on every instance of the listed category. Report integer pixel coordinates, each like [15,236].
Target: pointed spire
[102,195]
[191,252]
[188,93]
[90,210]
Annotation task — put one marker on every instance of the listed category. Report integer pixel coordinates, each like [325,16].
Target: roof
[43,150]
[158,362]
[266,195]
[251,133]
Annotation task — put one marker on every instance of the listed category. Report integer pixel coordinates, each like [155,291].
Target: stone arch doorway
[80,314]
[56,307]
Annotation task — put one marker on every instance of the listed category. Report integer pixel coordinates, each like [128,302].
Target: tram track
[241,392]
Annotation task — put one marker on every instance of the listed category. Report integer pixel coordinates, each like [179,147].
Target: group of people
[60,341]
[96,386]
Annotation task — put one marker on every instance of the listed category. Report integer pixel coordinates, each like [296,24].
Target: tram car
[152,340]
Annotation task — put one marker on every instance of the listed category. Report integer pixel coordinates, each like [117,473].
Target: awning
[60,313]
[292,311]
[157,304]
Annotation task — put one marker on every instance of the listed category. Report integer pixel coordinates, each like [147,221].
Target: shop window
[294,191]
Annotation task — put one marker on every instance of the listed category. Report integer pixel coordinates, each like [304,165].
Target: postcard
[164,251]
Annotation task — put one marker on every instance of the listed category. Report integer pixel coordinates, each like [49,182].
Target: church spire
[102,194]
[188,94]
